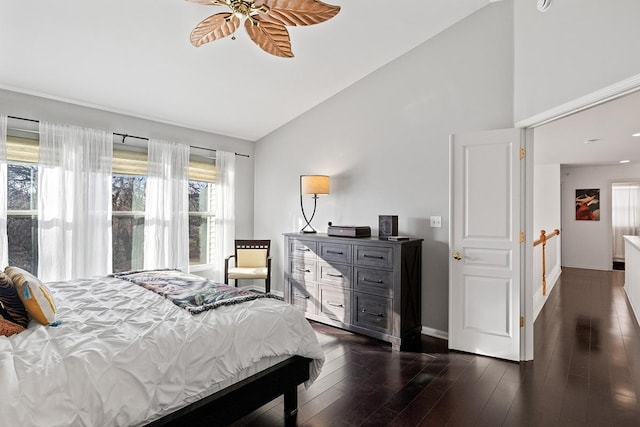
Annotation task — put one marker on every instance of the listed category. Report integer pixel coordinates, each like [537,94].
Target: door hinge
[521,153]
[522,237]
[522,321]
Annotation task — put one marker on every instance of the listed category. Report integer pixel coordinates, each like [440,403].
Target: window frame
[19,159]
[24,150]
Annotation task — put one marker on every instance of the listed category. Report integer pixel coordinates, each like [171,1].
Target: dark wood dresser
[364,284]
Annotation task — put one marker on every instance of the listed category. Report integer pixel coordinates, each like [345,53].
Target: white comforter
[123,355]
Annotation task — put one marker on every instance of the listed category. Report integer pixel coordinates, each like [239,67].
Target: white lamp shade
[311,185]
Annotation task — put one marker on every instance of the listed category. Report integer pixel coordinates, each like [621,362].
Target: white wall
[587,244]
[546,216]
[384,142]
[32,107]
[572,50]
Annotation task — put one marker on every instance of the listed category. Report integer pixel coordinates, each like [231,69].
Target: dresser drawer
[335,274]
[303,269]
[304,297]
[335,303]
[379,282]
[339,252]
[372,256]
[302,248]
[372,312]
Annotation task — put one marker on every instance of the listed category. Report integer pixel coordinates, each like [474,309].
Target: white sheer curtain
[625,214]
[4,244]
[74,202]
[166,220]
[225,211]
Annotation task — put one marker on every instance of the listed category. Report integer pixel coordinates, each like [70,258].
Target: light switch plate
[436,221]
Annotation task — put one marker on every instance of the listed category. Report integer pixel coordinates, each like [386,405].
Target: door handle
[457,256]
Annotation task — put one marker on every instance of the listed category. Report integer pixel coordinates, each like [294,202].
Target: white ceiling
[134,57]
[611,124]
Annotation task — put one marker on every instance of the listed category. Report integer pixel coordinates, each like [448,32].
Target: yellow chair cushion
[251,258]
[34,295]
[248,273]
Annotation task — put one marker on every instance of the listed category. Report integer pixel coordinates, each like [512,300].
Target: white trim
[539,299]
[196,268]
[588,267]
[527,298]
[601,96]
[598,97]
[633,308]
[435,333]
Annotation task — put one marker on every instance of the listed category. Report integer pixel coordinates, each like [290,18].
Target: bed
[123,355]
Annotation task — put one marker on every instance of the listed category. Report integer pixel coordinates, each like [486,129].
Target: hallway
[586,369]
[586,372]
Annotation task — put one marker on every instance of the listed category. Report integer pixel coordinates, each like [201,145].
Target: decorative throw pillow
[34,295]
[14,310]
[8,328]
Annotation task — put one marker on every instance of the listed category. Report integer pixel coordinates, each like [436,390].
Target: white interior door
[487,177]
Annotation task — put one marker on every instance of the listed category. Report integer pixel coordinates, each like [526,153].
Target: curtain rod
[126,135]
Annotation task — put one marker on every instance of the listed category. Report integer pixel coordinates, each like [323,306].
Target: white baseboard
[276,293]
[588,267]
[552,279]
[633,308]
[259,288]
[540,300]
[435,333]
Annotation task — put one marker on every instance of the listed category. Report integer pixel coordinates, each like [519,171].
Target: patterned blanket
[193,293]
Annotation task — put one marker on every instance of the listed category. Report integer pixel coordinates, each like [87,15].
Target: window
[127,221]
[128,206]
[202,210]
[128,185]
[22,203]
[22,215]
[201,222]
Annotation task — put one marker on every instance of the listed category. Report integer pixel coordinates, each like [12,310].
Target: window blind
[125,162]
[22,150]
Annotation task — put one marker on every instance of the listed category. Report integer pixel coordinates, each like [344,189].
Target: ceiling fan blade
[213,28]
[298,12]
[209,2]
[272,37]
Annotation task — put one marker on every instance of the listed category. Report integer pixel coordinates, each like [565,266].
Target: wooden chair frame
[250,244]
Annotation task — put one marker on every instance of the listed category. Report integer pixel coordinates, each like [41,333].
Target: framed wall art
[588,204]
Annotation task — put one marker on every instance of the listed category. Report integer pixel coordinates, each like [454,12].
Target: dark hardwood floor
[586,372]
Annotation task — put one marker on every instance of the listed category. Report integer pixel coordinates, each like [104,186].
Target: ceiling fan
[265,21]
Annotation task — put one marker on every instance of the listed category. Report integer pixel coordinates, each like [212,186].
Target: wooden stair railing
[543,239]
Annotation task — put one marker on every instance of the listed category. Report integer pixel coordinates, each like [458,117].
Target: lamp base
[308,231]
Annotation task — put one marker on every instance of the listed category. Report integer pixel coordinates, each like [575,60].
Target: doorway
[584,136]
[625,217]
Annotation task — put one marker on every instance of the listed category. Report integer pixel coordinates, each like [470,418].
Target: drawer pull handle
[335,252]
[304,249]
[373,256]
[335,304]
[304,270]
[301,296]
[334,275]
[372,314]
[379,282]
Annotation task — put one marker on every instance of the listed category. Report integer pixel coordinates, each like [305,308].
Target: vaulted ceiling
[134,57]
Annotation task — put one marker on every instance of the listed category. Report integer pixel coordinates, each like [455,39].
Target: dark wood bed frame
[234,402]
